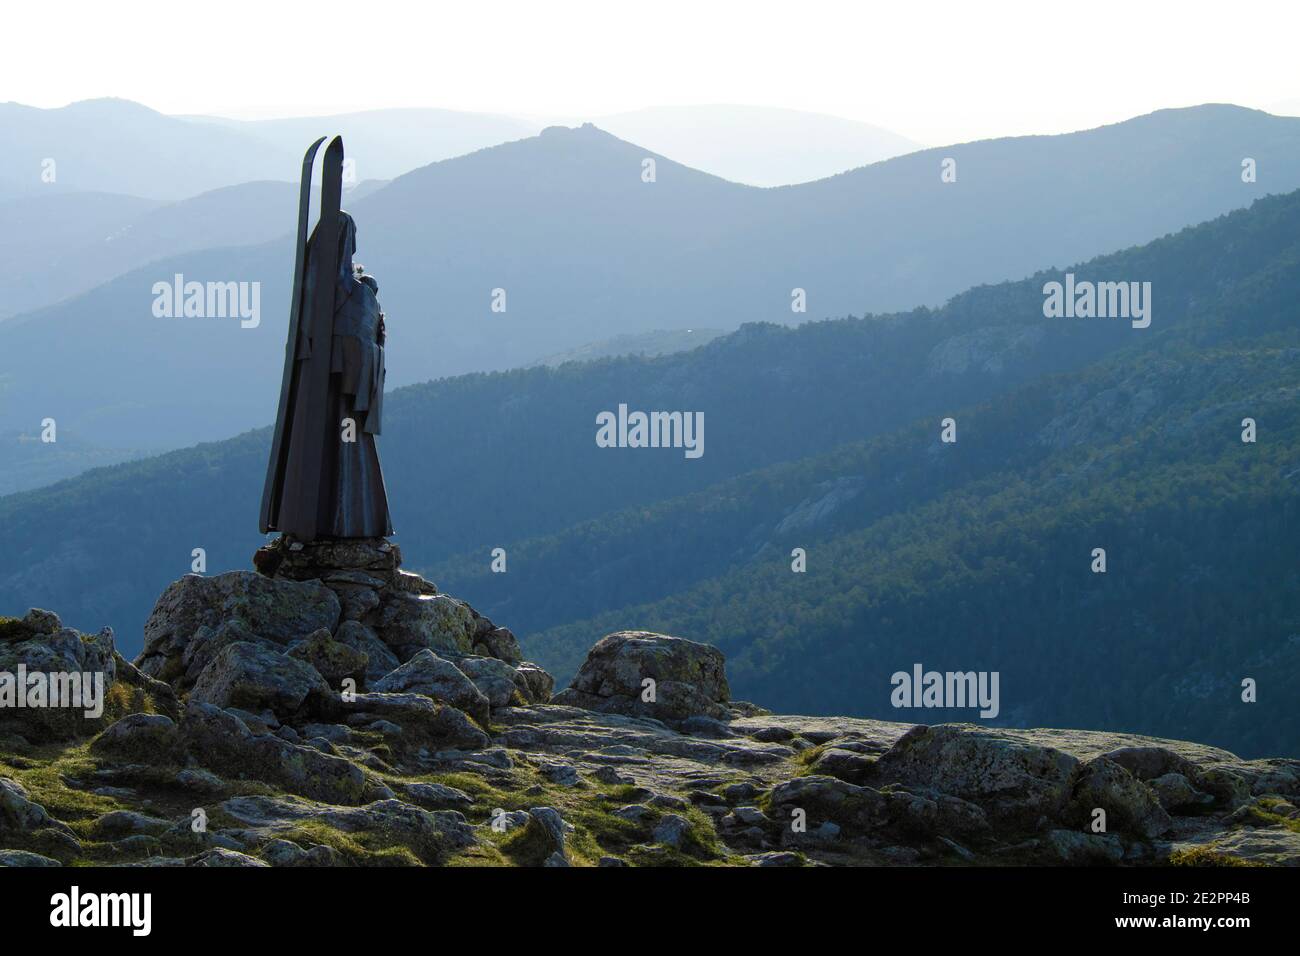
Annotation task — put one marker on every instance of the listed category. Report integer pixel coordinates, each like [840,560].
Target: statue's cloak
[325,479]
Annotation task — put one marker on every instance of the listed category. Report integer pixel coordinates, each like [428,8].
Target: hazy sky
[937,72]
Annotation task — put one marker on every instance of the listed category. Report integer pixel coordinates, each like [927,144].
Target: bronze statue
[323,480]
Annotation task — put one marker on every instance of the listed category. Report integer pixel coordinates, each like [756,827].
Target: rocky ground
[332,709]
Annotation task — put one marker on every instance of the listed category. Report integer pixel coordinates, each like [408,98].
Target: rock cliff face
[333,709]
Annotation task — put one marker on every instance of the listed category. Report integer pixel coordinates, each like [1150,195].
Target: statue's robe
[351,501]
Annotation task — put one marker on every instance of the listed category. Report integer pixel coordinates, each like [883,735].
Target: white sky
[936,71]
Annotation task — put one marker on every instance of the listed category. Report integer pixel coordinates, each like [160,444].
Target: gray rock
[498,642]
[435,796]
[276,610]
[334,733]
[380,659]
[772,735]
[736,792]
[708,727]
[672,830]
[1175,792]
[1147,763]
[428,674]
[1012,780]
[120,823]
[17,811]
[1077,848]
[828,798]
[928,813]
[409,622]
[750,816]
[1229,786]
[496,680]
[505,821]
[356,600]
[221,741]
[957,848]
[690,678]
[40,621]
[554,831]
[255,677]
[1129,803]
[263,723]
[62,651]
[541,685]
[198,780]
[420,716]
[23,858]
[431,834]
[280,852]
[634,812]
[221,857]
[845,764]
[138,736]
[566,775]
[668,801]
[283,853]
[775,858]
[334,660]
[1272,846]
[611,777]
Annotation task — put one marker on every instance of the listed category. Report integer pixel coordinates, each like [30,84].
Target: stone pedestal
[363,572]
[405,610]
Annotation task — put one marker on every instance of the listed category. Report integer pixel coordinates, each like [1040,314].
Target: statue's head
[347,245]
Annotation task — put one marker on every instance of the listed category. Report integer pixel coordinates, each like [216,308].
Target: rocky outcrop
[428,674]
[651,675]
[323,715]
[39,644]
[331,617]
[229,608]
[1014,781]
[254,677]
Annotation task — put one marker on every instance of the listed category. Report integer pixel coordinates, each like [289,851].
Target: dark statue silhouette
[323,480]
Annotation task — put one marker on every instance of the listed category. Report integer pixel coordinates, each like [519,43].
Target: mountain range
[583,249]
[756,145]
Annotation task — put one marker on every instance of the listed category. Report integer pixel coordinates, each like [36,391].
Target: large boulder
[380,659]
[39,643]
[255,678]
[18,812]
[498,642]
[275,610]
[503,684]
[409,623]
[138,737]
[432,834]
[22,817]
[428,674]
[334,660]
[541,685]
[222,742]
[420,718]
[689,679]
[822,798]
[1129,803]
[1011,780]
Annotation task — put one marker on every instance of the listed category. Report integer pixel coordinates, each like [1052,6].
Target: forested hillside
[977,556]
